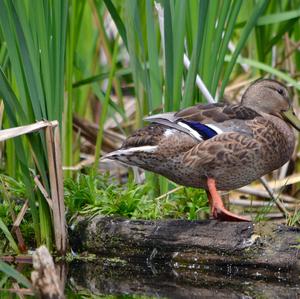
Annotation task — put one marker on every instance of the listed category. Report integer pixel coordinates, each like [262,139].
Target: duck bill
[291,117]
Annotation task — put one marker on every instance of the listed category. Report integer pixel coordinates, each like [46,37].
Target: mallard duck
[218,146]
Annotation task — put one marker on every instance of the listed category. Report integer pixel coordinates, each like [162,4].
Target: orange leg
[216,204]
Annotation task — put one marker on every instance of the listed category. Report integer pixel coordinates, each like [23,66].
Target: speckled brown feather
[216,113]
[255,140]
[150,135]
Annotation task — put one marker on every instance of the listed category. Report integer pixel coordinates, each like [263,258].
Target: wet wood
[213,245]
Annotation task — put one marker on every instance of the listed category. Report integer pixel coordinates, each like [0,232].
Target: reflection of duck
[218,146]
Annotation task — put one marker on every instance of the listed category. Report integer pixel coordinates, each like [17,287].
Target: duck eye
[280,91]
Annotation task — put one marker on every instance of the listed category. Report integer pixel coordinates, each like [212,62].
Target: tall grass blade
[205,68]
[278,17]
[190,81]
[118,21]
[155,98]
[169,56]
[105,109]
[11,272]
[12,105]
[230,22]
[257,12]
[268,69]
[217,40]
[179,31]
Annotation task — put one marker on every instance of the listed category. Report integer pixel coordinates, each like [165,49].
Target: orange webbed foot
[217,207]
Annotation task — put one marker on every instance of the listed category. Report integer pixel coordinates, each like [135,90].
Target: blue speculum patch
[205,131]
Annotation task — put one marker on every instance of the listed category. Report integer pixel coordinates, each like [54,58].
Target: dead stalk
[43,191]
[60,187]
[21,215]
[55,176]
[54,188]
[56,185]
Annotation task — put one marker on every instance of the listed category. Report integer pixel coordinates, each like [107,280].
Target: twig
[255,203]
[43,191]
[290,180]
[262,193]
[275,198]
[84,163]
[21,214]
[169,192]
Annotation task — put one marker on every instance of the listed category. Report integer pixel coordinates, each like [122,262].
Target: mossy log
[259,248]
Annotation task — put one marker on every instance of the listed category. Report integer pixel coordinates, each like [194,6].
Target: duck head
[271,97]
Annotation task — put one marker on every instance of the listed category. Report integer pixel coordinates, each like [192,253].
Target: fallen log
[245,248]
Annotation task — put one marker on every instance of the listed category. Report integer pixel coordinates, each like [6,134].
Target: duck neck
[286,130]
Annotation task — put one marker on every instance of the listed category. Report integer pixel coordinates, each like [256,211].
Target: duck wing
[203,122]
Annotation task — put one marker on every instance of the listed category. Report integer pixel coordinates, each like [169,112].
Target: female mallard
[218,146]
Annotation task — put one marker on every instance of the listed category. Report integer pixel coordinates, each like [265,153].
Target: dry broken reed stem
[16,229]
[56,179]
[53,187]
[43,191]
[55,173]
[21,214]
[22,130]
[60,184]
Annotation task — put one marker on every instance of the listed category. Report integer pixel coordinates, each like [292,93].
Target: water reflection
[116,277]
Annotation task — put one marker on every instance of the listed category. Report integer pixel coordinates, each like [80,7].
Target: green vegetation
[98,67]
[8,271]
[98,195]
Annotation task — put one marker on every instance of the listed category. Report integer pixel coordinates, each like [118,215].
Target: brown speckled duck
[218,146]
